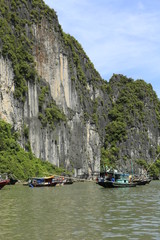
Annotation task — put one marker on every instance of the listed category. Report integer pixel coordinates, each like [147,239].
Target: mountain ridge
[52,89]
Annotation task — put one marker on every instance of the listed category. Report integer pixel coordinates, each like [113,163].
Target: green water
[82,211]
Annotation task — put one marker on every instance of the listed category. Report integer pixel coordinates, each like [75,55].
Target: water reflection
[82,211]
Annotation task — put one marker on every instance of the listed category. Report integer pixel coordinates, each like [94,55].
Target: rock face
[7,89]
[140,110]
[78,91]
[72,144]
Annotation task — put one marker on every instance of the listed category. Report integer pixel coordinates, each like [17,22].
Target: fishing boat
[11,177]
[42,182]
[4,182]
[116,180]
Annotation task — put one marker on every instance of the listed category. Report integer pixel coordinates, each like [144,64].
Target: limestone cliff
[59,96]
[72,143]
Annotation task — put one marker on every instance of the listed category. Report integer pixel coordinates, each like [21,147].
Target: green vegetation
[109,157]
[142,163]
[41,99]
[153,168]
[17,43]
[17,39]
[17,47]
[13,159]
[52,114]
[83,74]
[49,112]
[76,51]
[79,59]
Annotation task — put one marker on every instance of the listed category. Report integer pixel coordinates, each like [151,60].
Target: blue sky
[119,36]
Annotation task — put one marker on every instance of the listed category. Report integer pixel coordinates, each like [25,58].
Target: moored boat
[110,184]
[12,181]
[141,181]
[63,180]
[42,182]
[116,180]
[50,181]
[11,177]
[68,181]
[4,182]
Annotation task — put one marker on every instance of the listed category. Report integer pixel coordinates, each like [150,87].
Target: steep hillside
[132,134]
[50,87]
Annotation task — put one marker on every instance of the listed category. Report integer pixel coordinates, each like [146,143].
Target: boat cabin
[117,177]
[122,177]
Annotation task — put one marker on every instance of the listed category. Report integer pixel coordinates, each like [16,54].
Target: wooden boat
[68,181]
[141,180]
[50,181]
[11,177]
[116,180]
[61,180]
[42,182]
[4,182]
[65,180]
[12,181]
[110,184]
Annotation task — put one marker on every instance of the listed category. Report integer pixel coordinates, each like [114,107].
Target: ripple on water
[80,211]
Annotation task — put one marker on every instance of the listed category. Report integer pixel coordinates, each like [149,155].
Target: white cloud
[119,36]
